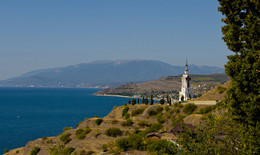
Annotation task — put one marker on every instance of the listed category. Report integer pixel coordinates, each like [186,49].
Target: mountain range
[103,74]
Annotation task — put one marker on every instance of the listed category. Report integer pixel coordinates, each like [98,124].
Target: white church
[185,93]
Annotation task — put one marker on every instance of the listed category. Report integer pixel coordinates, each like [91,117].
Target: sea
[30,113]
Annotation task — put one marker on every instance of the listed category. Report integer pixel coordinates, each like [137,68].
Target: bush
[44,138]
[114,121]
[137,111]
[123,144]
[6,150]
[127,115]
[68,150]
[99,121]
[125,110]
[177,110]
[189,108]
[162,147]
[35,150]
[67,128]
[65,138]
[133,101]
[206,110]
[113,132]
[143,124]
[128,122]
[152,112]
[134,141]
[90,152]
[175,121]
[221,89]
[80,134]
[160,119]
[155,127]
[162,101]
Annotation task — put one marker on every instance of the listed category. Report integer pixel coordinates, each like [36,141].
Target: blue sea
[30,113]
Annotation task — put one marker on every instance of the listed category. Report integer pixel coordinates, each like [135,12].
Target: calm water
[30,113]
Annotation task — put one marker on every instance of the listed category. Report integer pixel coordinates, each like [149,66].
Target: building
[185,93]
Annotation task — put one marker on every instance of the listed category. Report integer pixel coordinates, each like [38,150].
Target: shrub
[35,150]
[65,138]
[17,151]
[175,121]
[123,143]
[99,121]
[221,89]
[6,150]
[113,132]
[177,110]
[146,101]
[160,119]
[137,111]
[67,128]
[133,101]
[127,115]
[206,110]
[80,134]
[144,124]
[152,112]
[162,147]
[155,127]
[68,150]
[82,152]
[44,138]
[104,147]
[134,141]
[128,122]
[189,108]
[162,101]
[125,110]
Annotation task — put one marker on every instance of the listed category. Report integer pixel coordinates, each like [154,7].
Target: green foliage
[189,108]
[207,109]
[137,111]
[177,110]
[177,120]
[65,138]
[90,152]
[144,123]
[6,150]
[151,100]
[146,101]
[143,100]
[133,101]
[80,134]
[182,98]
[134,141]
[60,150]
[99,121]
[128,122]
[162,147]
[44,138]
[67,128]
[127,115]
[17,151]
[241,34]
[221,89]
[152,112]
[160,118]
[104,147]
[35,150]
[125,110]
[162,101]
[155,127]
[82,152]
[113,132]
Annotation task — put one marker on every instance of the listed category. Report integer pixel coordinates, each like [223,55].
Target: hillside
[103,74]
[90,135]
[167,85]
[217,93]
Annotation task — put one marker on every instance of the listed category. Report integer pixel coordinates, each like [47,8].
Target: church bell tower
[185,93]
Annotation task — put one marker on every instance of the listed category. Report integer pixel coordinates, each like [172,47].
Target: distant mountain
[103,74]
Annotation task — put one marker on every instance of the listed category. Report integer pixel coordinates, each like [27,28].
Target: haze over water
[30,113]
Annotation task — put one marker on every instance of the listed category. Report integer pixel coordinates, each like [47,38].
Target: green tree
[143,100]
[133,101]
[129,102]
[162,101]
[146,101]
[152,100]
[138,100]
[242,36]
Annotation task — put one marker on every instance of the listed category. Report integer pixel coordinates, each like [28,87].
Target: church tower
[185,92]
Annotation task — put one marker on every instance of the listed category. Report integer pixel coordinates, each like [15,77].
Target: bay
[30,113]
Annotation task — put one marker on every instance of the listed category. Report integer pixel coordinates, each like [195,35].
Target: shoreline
[114,95]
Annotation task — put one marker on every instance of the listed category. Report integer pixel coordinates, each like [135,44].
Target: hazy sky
[38,34]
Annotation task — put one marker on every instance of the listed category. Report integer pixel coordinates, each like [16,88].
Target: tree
[162,101]
[152,100]
[129,102]
[133,101]
[143,100]
[242,36]
[138,101]
[146,101]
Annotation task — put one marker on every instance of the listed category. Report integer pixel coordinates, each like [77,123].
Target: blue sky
[53,33]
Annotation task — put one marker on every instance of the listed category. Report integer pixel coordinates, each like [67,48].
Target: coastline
[114,95]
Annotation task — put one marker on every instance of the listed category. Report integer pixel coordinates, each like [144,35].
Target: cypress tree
[242,36]
[152,100]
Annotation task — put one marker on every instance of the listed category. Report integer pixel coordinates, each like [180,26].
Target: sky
[56,33]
